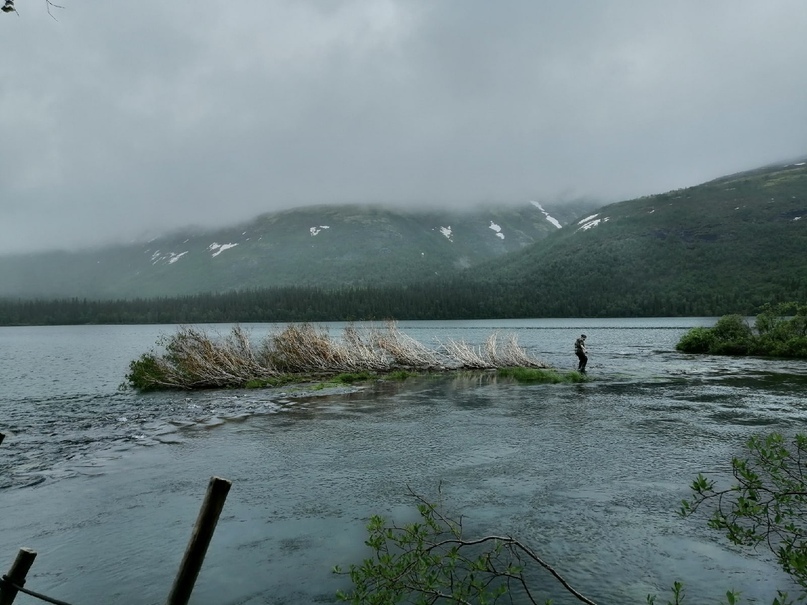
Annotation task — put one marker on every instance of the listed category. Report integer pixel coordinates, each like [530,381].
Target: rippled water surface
[105,483]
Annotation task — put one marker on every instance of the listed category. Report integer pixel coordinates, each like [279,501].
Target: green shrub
[779,331]
[782,331]
[146,373]
[697,340]
[732,327]
[732,336]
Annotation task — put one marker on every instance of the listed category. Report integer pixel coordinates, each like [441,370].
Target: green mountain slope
[725,246]
[323,246]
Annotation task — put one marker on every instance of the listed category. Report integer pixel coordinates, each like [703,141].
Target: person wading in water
[580,351]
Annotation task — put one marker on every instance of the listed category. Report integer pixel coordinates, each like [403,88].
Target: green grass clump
[538,375]
[272,381]
[351,377]
[400,375]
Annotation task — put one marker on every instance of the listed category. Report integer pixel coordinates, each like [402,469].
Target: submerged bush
[697,340]
[732,336]
[782,331]
[146,372]
[779,331]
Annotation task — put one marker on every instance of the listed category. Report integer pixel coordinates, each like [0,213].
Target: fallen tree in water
[191,359]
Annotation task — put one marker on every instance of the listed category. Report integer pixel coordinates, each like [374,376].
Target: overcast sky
[123,119]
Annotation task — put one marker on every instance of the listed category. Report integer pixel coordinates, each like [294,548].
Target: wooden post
[19,569]
[217,491]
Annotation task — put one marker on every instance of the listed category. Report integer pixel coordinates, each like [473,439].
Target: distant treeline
[450,300]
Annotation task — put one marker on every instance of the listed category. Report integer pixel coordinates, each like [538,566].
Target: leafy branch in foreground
[768,504]
[431,561]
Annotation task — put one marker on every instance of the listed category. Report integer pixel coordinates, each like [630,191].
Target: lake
[105,484]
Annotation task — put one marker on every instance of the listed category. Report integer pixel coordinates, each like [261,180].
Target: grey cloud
[127,118]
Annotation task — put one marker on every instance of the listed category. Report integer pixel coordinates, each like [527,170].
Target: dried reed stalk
[468,356]
[193,359]
[405,351]
[303,348]
[509,354]
[364,353]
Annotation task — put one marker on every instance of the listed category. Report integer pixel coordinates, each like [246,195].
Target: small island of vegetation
[191,359]
[779,331]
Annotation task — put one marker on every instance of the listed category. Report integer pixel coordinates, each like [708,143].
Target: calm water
[106,484]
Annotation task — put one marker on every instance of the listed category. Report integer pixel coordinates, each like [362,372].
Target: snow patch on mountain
[316,230]
[219,248]
[170,257]
[588,218]
[552,220]
[447,232]
[591,223]
[497,229]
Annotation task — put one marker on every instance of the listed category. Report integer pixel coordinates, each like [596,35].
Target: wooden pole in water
[217,491]
[19,569]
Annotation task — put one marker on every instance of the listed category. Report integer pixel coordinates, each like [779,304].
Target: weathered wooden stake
[217,491]
[19,569]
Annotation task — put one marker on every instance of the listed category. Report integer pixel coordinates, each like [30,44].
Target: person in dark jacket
[580,351]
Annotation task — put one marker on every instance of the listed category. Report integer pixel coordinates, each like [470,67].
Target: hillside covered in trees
[727,246]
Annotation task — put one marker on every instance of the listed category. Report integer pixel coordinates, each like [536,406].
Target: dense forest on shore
[436,301]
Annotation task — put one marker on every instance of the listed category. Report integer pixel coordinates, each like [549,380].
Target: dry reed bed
[193,360]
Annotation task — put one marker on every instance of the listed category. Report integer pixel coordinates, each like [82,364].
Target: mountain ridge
[323,246]
[726,246]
